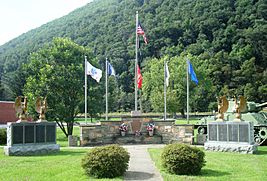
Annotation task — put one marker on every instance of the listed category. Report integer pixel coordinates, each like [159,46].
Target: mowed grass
[64,165]
[184,121]
[62,140]
[222,166]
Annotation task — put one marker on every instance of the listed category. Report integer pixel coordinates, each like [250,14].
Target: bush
[106,162]
[3,136]
[182,159]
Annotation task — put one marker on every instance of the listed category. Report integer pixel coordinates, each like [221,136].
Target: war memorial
[30,138]
[146,133]
[234,135]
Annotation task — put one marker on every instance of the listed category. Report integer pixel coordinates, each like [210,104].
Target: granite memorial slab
[17,134]
[222,132]
[50,133]
[40,133]
[212,129]
[31,138]
[29,133]
[231,137]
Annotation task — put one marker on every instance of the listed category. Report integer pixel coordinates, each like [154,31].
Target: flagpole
[187,98]
[106,88]
[85,89]
[136,59]
[165,99]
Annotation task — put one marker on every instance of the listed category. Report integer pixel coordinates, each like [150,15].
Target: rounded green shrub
[106,161]
[3,136]
[182,159]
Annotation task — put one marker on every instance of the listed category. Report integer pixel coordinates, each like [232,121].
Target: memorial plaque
[243,133]
[40,133]
[222,132]
[136,125]
[212,132]
[233,132]
[17,134]
[29,134]
[50,133]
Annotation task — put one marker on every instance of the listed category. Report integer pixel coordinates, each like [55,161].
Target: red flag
[139,78]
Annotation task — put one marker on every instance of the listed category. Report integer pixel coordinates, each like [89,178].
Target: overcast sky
[19,16]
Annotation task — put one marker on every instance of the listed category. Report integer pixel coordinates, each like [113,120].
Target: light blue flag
[111,70]
[191,72]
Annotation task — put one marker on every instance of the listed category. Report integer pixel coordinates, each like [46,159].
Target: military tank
[251,113]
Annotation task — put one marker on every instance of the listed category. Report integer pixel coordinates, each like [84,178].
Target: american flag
[140,31]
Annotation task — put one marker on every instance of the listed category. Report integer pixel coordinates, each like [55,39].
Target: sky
[20,16]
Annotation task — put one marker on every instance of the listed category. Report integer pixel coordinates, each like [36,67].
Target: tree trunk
[182,112]
[70,127]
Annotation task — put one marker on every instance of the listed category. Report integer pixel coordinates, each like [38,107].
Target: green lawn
[223,166]
[65,165]
[184,121]
[62,140]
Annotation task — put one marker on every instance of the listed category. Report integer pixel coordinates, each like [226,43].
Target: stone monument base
[21,150]
[136,113]
[142,139]
[230,147]
[231,136]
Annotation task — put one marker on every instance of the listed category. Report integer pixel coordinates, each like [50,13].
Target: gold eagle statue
[21,105]
[223,105]
[41,107]
[240,107]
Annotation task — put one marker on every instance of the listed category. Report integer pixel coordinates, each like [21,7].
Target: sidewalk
[141,167]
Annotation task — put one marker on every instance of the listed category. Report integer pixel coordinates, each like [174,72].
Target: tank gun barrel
[262,105]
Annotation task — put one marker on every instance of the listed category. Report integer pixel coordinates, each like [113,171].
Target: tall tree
[56,71]
[153,83]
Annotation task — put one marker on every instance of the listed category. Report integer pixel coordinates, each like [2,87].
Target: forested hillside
[228,36]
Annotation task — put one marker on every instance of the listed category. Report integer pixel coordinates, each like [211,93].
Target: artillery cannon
[250,113]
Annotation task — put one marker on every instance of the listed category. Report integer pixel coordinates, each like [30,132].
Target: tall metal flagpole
[136,59]
[106,88]
[165,100]
[187,98]
[85,89]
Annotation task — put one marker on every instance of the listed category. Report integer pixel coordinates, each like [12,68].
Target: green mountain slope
[230,34]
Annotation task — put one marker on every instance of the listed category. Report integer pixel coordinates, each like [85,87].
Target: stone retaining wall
[107,132]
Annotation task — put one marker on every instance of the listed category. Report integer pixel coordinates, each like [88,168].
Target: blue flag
[111,70]
[191,72]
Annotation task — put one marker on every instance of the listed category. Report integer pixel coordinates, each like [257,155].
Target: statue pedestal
[27,138]
[231,137]
[41,120]
[21,121]
[136,113]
